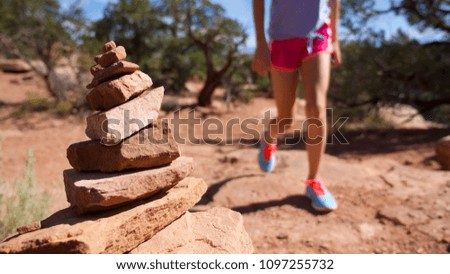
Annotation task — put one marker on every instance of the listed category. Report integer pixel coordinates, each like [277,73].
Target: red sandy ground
[392,196]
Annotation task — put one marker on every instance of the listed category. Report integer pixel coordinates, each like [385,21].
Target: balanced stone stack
[131,154]
[129,182]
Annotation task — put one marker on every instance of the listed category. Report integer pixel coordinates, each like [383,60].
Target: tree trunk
[213,78]
[205,96]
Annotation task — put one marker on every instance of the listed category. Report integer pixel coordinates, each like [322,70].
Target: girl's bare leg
[284,86]
[315,73]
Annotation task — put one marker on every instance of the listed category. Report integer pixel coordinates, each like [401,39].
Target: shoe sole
[320,209]
[323,209]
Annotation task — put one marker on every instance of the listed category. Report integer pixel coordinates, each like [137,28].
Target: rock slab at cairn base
[216,231]
[151,147]
[116,231]
[121,122]
[100,191]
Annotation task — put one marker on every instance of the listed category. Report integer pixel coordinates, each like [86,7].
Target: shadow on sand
[297,201]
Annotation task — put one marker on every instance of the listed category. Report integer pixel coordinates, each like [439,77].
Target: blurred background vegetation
[28,204]
[175,41]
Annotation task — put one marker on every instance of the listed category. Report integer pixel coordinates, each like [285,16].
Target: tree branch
[190,33]
[227,65]
[434,16]
[437,22]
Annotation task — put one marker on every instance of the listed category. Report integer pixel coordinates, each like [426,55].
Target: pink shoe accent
[269,149]
[317,186]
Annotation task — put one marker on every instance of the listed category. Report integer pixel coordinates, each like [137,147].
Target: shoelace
[268,150]
[317,186]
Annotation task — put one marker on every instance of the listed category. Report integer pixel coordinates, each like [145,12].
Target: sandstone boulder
[14,65]
[116,231]
[95,191]
[39,66]
[113,93]
[216,231]
[119,123]
[151,147]
[443,152]
[63,82]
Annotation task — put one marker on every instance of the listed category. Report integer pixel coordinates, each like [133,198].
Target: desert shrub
[33,103]
[27,204]
[62,108]
[398,71]
[36,103]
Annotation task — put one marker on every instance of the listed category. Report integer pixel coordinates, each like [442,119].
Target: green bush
[26,206]
[63,108]
[398,71]
[33,103]
[36,103]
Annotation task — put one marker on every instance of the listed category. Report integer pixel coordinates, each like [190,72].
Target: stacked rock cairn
[129,182]
[125,135]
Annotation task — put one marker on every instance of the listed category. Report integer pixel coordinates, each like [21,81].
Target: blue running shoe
[266,156]
[321,198]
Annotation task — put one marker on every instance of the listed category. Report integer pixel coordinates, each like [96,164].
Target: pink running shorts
[288,55]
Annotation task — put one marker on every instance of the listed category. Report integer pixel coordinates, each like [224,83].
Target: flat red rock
[151,147]
[112,72]
[113,93]
[114,125]
[95,191]
[110,57]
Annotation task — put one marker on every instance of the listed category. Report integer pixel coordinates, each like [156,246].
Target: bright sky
[241,10]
